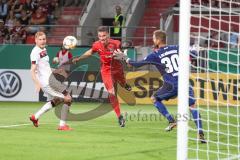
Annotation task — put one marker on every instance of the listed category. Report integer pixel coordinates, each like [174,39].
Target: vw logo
[10,84]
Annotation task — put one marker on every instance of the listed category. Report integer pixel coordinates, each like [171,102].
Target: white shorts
[50,93]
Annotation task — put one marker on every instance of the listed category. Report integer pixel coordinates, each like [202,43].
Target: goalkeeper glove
[119,55]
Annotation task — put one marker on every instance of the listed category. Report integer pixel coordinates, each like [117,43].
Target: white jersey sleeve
[34,57]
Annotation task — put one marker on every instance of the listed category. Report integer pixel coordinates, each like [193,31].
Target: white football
[69,42]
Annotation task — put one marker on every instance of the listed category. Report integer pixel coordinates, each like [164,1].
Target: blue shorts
[170,91]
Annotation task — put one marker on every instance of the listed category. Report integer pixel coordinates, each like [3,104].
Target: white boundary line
[16,125]
[81,124]
[19,125]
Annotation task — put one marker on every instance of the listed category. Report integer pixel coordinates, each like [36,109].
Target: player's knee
[67,99]
[153,98]
[68,103]
[56,102]
[156,97]
[111,92]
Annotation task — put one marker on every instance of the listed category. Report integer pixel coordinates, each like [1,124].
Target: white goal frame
[183,79]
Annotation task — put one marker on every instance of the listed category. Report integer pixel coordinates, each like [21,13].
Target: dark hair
[161,35]
[103,29]
[118,7]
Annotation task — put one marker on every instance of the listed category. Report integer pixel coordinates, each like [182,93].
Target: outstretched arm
[138,63]
[118,54]
[87,54]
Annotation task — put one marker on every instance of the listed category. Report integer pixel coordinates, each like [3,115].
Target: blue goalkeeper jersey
[166,61]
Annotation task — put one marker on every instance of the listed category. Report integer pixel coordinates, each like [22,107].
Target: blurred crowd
[216,39]
[22,18]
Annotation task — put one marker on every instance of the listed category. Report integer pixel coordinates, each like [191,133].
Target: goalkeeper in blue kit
[165,58]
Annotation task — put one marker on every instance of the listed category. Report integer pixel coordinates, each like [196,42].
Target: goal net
[214,76]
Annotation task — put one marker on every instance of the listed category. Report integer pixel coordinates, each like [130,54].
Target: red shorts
[111,78]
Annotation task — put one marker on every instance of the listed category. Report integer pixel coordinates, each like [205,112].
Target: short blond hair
[39,33]
[161,35]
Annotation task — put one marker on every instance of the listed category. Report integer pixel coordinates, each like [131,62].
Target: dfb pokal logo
[10,84]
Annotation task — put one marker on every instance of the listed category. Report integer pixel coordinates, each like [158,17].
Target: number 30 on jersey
[171,63]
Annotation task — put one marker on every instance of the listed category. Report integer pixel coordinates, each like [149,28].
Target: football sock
[115,104]
[64,113]
[197,119]
[46,107]
[163,110]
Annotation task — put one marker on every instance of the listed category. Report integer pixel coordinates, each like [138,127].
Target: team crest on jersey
[43,54]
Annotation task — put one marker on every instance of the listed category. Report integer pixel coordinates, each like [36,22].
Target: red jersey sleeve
[95,47]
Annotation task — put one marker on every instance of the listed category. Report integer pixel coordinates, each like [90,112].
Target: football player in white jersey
[41,74]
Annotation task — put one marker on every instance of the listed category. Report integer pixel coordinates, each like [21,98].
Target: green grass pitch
[101,138]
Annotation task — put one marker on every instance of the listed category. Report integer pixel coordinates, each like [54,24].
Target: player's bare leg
[46,107]
[65,109]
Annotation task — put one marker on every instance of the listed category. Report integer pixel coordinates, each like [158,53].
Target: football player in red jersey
[111,69]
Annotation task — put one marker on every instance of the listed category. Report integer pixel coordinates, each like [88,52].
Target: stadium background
[101,138]
[15,58]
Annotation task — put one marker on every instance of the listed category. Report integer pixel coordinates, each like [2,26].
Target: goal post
[213,28]
[183,82]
